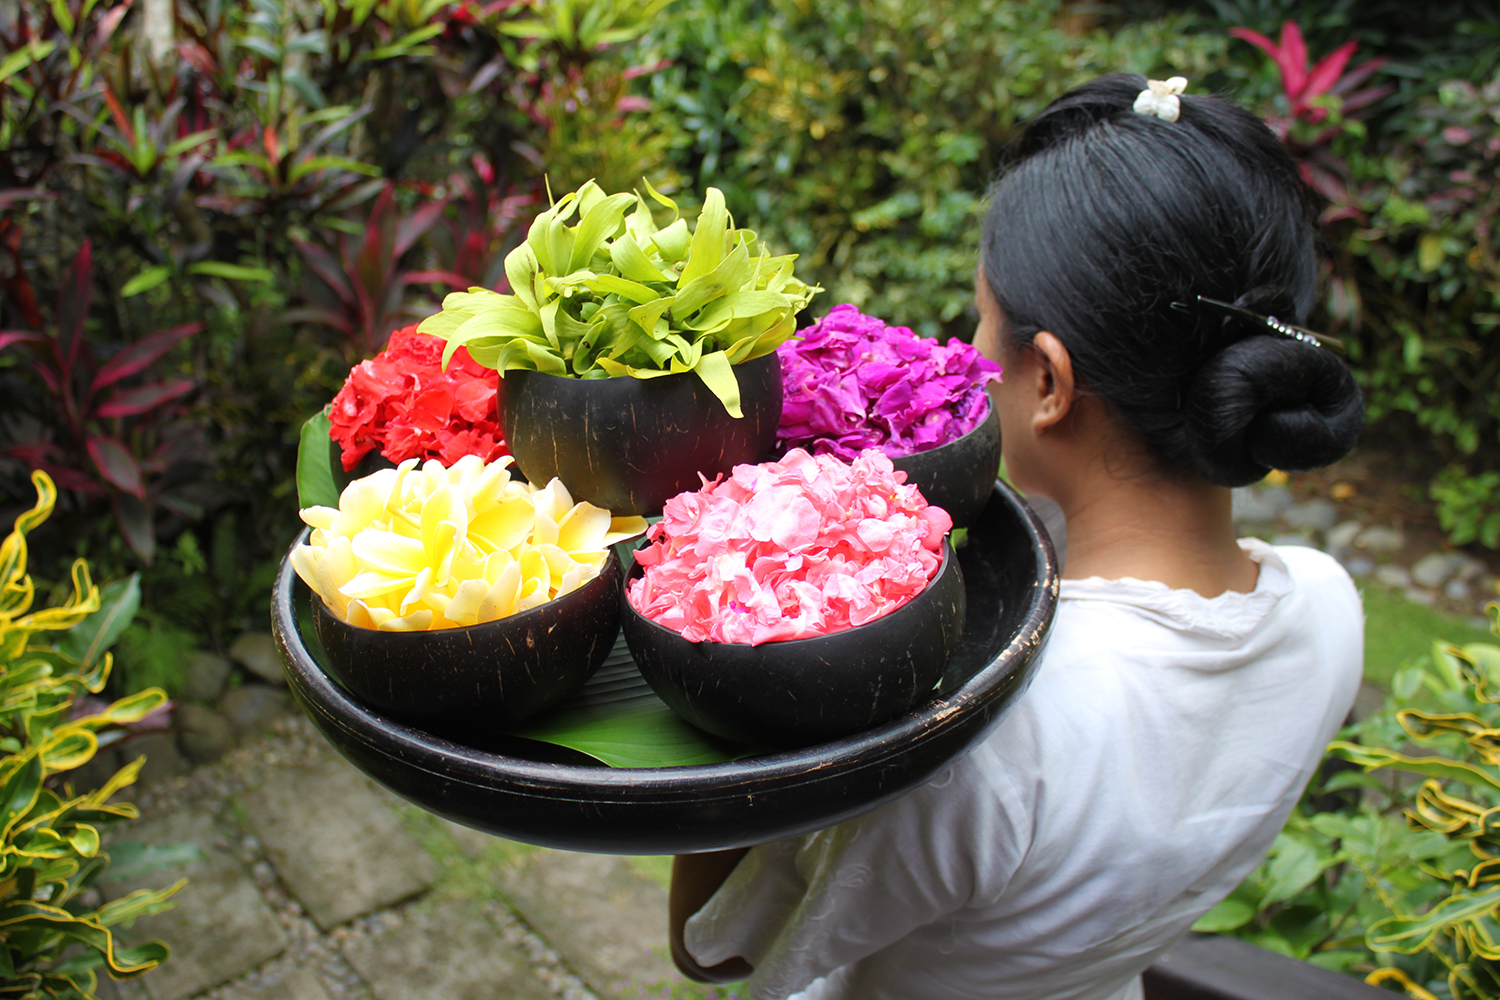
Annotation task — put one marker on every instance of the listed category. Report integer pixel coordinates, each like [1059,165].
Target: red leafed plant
[95,410]
[492,216]
[360,290]
[14,283]
[1313,94]
[403,403]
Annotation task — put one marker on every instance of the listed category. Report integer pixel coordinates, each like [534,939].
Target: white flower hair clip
[1160,98]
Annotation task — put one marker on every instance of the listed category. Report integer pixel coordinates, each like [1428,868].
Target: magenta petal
[852,382]
[894,400]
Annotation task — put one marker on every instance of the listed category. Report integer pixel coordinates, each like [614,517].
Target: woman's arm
[695,878]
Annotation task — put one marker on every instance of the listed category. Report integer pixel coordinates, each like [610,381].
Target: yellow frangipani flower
[409,549]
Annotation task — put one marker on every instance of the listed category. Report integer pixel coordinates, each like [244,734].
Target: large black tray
[546,795]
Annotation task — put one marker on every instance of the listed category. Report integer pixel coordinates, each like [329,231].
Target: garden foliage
[228,225]
[54,938]
[1409,260]
[862,136]
[1406,155]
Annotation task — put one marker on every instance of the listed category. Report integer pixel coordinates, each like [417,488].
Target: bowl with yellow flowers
[461,594]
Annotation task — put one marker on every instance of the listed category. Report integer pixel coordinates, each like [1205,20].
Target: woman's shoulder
[1118,614]
[1308,566]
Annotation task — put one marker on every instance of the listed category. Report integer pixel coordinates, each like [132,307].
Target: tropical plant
[583,98]
[701,81]
[615,295]
[1429,281]
[13,280]
[49,63]
[489,222]
[580,28]
[99,441]
[361,292]
[54,935]
[1322,102]
[1467,506]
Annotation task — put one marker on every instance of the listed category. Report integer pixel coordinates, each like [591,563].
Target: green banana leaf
[642,733]
[320,474]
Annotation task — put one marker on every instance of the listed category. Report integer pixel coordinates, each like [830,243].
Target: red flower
[403,403]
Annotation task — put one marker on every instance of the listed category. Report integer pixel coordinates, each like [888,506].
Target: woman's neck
[1152,528]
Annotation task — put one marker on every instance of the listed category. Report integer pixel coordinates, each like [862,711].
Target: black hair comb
[1271,323]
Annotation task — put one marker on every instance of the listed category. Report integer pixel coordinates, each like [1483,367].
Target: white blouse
[1158,752]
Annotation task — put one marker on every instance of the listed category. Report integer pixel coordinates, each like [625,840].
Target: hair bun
[1268,402]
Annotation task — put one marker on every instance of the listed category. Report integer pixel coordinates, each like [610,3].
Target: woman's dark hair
[1105,230]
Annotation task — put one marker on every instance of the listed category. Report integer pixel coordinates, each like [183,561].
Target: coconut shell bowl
[804,691]
[542,794]
[629,444]
[485,676]
[960,475]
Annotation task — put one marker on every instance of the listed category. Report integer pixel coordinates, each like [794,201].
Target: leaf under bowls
[647,734]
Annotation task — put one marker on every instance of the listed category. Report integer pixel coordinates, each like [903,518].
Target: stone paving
[315,884]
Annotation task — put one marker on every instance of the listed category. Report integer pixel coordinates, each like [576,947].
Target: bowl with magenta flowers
[633,353]
[852,382]
[796,601]
[455,596]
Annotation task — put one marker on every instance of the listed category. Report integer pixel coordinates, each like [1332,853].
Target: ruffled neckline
[1231,615]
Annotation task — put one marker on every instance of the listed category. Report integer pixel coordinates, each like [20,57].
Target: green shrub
[53,938]
[1425,270]
[863,136]
[1467,506]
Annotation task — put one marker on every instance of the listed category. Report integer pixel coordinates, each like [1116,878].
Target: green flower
[615,295]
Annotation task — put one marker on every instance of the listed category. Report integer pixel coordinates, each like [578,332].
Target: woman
[1133,257]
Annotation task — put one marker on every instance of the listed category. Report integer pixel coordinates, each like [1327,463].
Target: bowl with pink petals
[851,382]
[796,601]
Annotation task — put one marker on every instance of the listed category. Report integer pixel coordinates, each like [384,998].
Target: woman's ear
[1057,392]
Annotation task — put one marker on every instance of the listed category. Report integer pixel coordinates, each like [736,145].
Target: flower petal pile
[409,549]
[853,383]
[788,550]
[403,403]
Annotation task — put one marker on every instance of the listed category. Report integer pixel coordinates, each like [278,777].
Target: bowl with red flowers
[852,382]
[796,601]
[406,403]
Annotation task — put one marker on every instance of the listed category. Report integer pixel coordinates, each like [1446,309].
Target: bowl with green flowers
[633,357]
